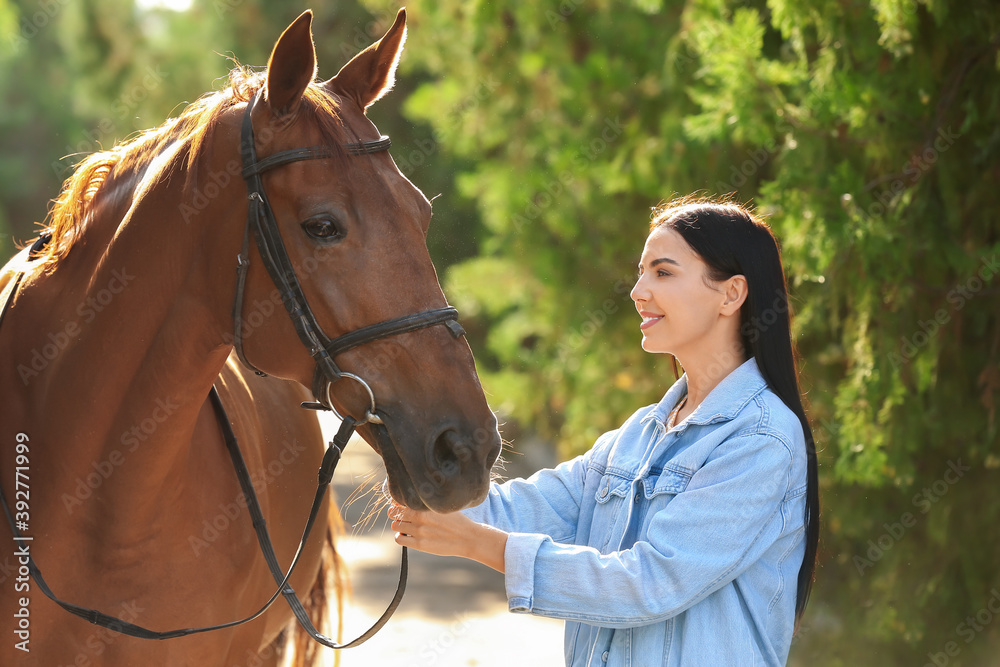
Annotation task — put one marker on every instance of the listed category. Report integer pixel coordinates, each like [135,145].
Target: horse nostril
[446,452]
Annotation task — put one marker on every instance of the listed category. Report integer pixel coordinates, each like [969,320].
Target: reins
[326,471]
[261,221]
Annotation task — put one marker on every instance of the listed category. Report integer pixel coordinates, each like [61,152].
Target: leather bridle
[261,220]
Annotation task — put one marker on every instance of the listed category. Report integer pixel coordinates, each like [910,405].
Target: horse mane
[193,128]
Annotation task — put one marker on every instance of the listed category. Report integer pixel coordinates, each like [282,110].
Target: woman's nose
[639,291]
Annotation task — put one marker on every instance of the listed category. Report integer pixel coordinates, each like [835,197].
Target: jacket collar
[723,403]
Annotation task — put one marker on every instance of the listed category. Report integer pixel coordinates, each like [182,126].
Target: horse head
[355,232]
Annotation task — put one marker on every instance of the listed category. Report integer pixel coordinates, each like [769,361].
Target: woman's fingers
[398,515]
[451,534]
[424,531]
[403,515]
[402,526]
[395,510]
[405,522]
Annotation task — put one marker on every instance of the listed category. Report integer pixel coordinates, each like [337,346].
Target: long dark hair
[731,240]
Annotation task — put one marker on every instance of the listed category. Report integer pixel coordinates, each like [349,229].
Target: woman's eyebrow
[663,260]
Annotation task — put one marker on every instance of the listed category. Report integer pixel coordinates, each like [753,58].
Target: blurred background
[866,131]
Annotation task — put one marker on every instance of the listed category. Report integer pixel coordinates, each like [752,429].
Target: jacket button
[638,496]
[604,492]
[604,657]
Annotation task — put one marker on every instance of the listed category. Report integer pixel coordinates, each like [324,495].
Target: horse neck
[117,348]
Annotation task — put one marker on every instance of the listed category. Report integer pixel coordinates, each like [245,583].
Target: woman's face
[678,304]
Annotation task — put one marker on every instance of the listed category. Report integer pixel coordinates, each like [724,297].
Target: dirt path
[454,613]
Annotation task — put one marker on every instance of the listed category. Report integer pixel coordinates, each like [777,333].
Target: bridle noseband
[323,350]
[260,218]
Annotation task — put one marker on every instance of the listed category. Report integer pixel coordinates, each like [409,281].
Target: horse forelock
[189,135]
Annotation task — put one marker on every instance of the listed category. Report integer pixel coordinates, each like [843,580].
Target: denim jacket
[674,548]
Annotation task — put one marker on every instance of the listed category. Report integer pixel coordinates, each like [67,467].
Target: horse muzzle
[446,472]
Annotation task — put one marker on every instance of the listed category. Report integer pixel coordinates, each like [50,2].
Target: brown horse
[123,322]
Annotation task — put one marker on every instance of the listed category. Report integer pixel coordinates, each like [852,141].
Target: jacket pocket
[610,515]
[672,480]
[611,487]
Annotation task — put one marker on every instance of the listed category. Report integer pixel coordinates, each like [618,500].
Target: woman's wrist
[488,546]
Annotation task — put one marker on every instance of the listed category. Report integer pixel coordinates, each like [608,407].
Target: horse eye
[322,229]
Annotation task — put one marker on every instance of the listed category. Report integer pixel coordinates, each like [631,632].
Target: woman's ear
[735,290]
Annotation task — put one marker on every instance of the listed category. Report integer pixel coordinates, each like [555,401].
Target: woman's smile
[649,319]
[673,277]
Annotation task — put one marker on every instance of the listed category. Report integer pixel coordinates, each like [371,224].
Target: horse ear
[292,65]
[372,73]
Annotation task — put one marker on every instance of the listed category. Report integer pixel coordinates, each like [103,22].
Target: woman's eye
[323,229]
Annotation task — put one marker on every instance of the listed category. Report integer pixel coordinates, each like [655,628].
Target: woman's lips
[649,320]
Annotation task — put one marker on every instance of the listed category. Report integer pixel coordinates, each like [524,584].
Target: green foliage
[867,134]
[79,76]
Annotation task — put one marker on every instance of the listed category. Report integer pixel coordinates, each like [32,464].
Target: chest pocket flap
[612,486]
[673,480]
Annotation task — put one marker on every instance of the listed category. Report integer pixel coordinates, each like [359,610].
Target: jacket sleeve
[728,516]
[548,502]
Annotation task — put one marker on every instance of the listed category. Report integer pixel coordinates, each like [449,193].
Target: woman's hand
[451,534]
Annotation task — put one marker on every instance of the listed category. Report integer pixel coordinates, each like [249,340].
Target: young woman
[688,535]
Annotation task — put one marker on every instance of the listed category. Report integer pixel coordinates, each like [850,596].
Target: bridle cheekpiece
[260,218]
